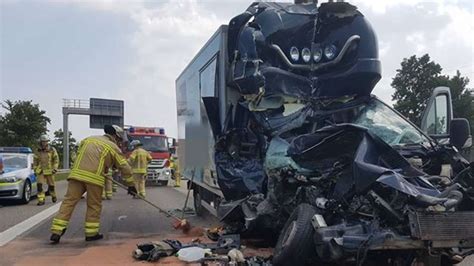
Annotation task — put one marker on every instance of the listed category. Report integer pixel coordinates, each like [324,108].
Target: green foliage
[57,143]
[413,85]
[22,124]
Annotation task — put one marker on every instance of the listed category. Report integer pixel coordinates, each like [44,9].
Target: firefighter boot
[41,195]
[52,191]
[94,238]
[54,239]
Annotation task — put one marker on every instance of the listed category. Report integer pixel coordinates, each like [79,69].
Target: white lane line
[14,231]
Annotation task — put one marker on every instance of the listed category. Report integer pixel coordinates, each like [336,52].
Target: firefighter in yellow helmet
[139,160]
[45,165]
[95,155]
[175,171]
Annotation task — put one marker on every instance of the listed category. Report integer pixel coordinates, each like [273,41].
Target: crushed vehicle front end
[309,155]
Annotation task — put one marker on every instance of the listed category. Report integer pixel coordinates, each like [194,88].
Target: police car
[17,178]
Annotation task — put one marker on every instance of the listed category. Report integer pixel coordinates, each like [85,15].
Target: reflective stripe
[128,180]
[139,171]
[87,177]
[52,161]
[91,229]
[100,169]
[10,184]
[58,225]
[82,147]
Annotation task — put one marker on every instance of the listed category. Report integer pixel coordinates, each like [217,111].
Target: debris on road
[182,224]
[193,254]
[227,250]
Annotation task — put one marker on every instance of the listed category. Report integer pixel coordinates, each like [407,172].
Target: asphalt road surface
[12,213]
[123,219]
[125,222]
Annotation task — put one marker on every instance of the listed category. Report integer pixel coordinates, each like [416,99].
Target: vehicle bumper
[158,175]
[11,190]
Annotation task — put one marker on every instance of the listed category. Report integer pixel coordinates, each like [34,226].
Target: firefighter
[175,171]
[139,160]
[95,154]
[107,191]
[45,165]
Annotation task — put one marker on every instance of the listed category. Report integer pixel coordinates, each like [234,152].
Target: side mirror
[460,133]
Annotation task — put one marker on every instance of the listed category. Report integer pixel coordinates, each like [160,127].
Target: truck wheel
[26,192]
[162,183]
[295,243]
[198,208]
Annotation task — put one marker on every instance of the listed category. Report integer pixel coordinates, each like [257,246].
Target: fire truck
[156,142]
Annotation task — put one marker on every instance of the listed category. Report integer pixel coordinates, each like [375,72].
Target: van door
[438,122]
[438,114]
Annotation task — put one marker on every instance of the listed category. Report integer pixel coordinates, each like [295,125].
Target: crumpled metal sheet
[239,177]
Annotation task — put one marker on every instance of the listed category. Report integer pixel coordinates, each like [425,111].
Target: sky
[134,50]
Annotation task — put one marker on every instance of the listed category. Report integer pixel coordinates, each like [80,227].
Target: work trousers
[42,181]
[74,192]
[140,183]
[107,191]
[177,178]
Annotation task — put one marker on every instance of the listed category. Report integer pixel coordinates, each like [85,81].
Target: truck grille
[442,226]
[156,163]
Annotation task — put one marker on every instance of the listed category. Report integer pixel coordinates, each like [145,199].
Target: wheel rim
[27,191]
[289,234]
[197,201]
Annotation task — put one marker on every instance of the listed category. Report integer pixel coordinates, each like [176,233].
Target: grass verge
[61,176]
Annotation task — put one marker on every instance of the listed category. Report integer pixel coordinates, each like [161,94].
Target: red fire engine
[155,141]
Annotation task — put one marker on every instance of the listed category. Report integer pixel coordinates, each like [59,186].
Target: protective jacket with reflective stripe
[139,160]
[97,154]
[45,161]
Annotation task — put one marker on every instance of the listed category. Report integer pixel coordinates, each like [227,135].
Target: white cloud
[169,33]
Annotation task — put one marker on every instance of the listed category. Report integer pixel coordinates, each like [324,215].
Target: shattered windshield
[388,125]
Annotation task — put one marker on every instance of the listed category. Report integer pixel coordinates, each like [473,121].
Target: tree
[23,124]
[413,85]
[57,143]
[415,81]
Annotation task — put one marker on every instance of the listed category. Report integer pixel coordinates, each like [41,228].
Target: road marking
[14,231]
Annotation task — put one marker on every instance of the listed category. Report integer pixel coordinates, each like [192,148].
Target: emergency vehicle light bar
[158,130]
[15,150]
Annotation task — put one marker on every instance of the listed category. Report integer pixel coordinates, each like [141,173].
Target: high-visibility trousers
[140,183]
[107,191]
[176,177]
[42,181]
[74,192]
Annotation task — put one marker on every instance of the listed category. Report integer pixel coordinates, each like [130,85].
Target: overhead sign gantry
[100,111]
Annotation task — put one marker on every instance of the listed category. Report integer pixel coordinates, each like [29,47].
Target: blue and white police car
[17,178]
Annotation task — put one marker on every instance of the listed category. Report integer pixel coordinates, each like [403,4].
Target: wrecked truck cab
[280,137]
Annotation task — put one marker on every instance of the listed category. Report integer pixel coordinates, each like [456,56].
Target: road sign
[105,112]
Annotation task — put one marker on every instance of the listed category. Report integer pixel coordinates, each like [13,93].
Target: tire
[162,183]
[198,208]
[26,197]
[295,243]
